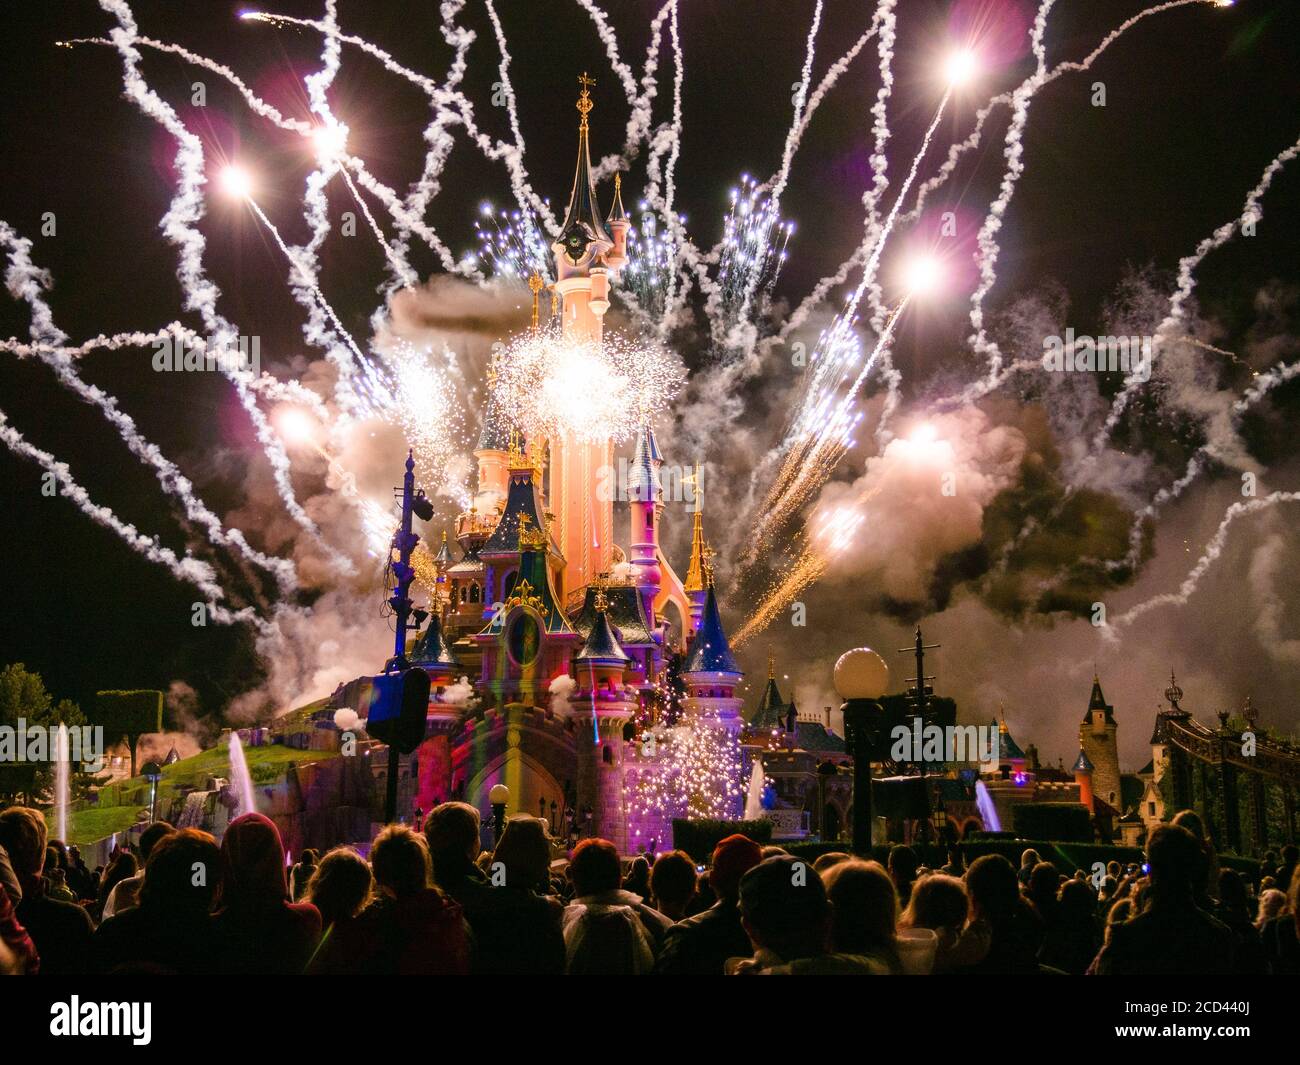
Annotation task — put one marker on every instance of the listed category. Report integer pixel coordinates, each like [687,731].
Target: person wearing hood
[258,929]
[169,931]
[606,928]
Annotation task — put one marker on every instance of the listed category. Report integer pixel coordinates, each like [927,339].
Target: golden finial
[531,539]
[536,284]
[771,664]
[708,566]
[618,181]
[584,104]
[492,371]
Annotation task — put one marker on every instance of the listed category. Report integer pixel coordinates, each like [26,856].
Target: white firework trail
[187,569]
[401,269]
[179,225]
[800,102]
[440,142]
[457,107]
[883,25]
[1201,457]
[377,386]
[1167,331]
[1213,550]
[639,101]
[987,240]
[972,141]
[26,281]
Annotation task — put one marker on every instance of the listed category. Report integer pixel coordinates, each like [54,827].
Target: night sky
[1198,101]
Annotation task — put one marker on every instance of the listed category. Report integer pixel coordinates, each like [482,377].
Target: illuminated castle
[575,646]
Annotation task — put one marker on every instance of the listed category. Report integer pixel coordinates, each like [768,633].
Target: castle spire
[695,571]
[582,225]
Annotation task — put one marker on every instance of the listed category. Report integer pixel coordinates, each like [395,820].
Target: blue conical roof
[1082,764]
[432,648]
[602,645]
[643,482]
[710,652]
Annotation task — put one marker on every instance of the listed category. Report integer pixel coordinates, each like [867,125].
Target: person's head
[1271,903]
[1232,890]
[1029,859]
[1108,887]
[1293,897]
[524,853]
[60,852]
[1191,820]
[1044,881]
[594,868]
[1076,901]
[823,862]
[340,885]
[903,864]
[151,837]
[771,850]
[1175,857]
[74,854]
[864,907]
[51,863]
[123,867]
[400,860]
[452,832]
[308,857]
[672,882]
[252,863]
[1118,914]
[784,908]
[733,857]
[1113,869]
[23,835]
[1290,854]
[171,882]
[638,875]
[992,887]
[938,901]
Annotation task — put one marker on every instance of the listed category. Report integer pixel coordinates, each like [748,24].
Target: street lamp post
[498,797]
[861,677]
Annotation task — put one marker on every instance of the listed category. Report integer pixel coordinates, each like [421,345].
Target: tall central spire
[582,226]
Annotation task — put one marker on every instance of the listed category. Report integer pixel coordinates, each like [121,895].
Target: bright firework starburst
[590,391]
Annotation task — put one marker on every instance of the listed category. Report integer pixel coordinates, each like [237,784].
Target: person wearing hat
[701,945]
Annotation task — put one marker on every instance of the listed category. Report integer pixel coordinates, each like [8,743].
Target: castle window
[473,593]
[1151,809]
[464,594]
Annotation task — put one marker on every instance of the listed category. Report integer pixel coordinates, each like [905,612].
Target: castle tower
[601,707]
[658,583]
[434,655]
[586,251]
[712,677]
[1097,739]
[1083,768]
[697,573]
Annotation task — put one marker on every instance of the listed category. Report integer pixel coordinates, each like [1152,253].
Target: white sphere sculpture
[861,674]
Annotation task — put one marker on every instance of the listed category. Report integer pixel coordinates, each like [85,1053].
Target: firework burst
[552,387]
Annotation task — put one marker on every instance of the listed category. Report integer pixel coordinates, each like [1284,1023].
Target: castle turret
[712,676]
[601,707]
[658,583]
[1097,738]
[697,573]
[1083,777]
[618,224]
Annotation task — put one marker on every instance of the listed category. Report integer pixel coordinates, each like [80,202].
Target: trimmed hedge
[698,838]
[1052,820]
